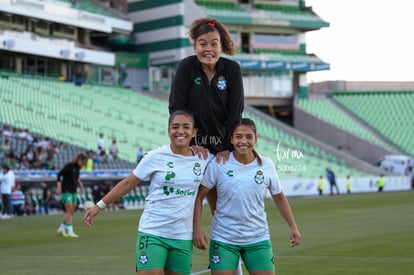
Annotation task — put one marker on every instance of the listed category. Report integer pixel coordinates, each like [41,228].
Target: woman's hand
[200,239]
[88,217]
[200,151]
[222,156]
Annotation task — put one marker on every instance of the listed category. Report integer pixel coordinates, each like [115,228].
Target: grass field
[366,234]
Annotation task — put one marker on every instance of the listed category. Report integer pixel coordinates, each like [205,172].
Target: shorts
[154,252]
[69,198]
[225,256]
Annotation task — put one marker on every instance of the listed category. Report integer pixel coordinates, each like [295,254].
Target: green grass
[366,234]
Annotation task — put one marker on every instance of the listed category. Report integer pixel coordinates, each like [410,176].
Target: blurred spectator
[7,180]
[140,154]
[25,135]
[7,132]
[23,162]
[98,151]
[102,157]
[89,164]
[100,142]
[320,186]
[11,159]
[29,205]
[113,150]
[62,148]
[17,200]
[46,197]
[381,183]
[348,184]
[330,175]
[41,156]
[43,142]
[51,152]
[5,147]
[99,191]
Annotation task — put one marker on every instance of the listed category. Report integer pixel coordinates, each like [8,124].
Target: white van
[398,164]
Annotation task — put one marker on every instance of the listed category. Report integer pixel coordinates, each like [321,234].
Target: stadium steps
[327,110]
[371,131]
[390,113]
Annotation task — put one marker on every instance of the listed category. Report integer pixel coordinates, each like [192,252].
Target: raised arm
[123,187]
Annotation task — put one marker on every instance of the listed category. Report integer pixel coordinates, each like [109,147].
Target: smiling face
[181,131]
[208,48]
[243,140]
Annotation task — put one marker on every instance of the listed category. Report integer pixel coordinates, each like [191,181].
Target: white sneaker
[5,217]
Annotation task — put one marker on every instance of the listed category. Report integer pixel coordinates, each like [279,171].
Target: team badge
[216,258]
[259,178]
[221,83]
[143,259]
[197,169]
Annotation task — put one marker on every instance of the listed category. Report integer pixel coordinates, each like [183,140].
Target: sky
[367,40]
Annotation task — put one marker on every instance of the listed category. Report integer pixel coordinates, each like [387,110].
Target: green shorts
[69,198]
[154,252]
[225,256]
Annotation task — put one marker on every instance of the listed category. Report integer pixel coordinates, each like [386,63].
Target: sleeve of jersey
[144,169]
[180,87]
[275,187]
[209,179]
[62,172]
[235,105]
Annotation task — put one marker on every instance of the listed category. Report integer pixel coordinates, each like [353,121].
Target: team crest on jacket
[259,178]
[221,83]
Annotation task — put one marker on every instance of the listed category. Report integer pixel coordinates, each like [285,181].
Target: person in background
[67,182]
[7,180]
[239,227]
[46,197]
[30,205]
[330,175]
[381,183]
[164,243]
[140,154]
[113,150]
[90,162]
[320,186]
[100,143]
[17,200]
[348,184]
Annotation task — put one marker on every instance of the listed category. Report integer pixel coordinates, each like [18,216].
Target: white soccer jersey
[240,216]
[174,181]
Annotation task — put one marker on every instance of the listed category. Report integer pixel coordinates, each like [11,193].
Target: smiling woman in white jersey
[239,226]
[164,242]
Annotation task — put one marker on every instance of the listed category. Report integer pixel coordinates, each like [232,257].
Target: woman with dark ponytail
[239,222]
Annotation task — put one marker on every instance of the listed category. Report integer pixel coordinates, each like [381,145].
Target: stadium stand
[390,113]
[75,115]
[325,110]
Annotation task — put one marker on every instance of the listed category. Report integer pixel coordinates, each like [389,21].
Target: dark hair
[181,112]
[80,157]
[5,167]
[205,25]
[251,124]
